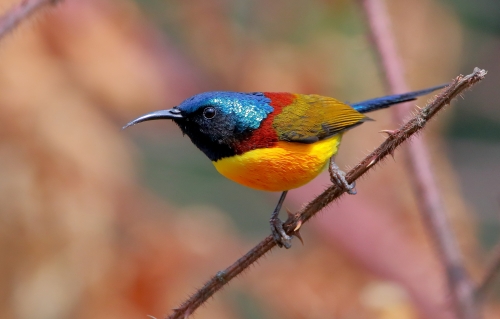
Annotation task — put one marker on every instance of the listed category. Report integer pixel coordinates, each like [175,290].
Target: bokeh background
[96,222]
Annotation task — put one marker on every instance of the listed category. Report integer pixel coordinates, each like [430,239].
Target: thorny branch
[419,167]
[15,15]
[294,222]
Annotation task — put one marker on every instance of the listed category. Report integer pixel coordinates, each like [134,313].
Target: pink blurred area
[81,237]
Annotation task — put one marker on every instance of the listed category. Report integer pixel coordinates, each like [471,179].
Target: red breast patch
[265,136]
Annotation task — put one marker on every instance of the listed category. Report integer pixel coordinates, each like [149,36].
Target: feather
[310,118]
[386,101]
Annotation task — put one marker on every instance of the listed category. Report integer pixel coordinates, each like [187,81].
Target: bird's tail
[386,101]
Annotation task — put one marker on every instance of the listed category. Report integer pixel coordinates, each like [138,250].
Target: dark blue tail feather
[386,101]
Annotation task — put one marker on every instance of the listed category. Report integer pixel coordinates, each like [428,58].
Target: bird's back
[310,118]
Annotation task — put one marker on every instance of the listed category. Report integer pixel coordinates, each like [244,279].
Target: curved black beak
[157,115]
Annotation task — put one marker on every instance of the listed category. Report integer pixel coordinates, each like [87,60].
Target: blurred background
[97,222]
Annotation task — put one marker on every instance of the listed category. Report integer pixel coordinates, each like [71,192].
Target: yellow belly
[282,167]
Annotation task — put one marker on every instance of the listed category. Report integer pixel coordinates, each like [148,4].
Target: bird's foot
[337,176]
[279,235]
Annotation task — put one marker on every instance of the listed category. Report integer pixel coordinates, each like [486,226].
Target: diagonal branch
[294,222]
[15,15]
[419,167]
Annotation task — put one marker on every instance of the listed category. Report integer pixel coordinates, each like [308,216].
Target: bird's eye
[209,112]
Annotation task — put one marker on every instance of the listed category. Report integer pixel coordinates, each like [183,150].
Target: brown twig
[293,224]
[426,190]
[15,15]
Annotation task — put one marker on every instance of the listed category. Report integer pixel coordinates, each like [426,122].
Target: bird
[273,141]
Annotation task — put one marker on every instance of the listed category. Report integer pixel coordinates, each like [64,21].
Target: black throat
[214,150]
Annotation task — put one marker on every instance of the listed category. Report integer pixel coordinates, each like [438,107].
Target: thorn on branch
[221,276]
[390,133]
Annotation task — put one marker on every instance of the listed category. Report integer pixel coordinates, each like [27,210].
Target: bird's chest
[282,167]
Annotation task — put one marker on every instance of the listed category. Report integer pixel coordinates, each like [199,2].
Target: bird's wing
[311,118]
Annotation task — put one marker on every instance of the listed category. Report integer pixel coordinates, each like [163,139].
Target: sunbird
[272,141]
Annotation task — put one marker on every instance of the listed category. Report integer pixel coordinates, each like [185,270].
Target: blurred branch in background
[11,19]
[419,166]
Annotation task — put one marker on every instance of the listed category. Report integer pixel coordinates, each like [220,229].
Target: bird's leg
[281,238]
[337,176]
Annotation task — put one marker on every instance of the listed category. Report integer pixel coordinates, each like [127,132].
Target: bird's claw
[340,181]
[337,176]
[279,235]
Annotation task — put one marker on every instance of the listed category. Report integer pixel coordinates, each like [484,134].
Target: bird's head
[216,121]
